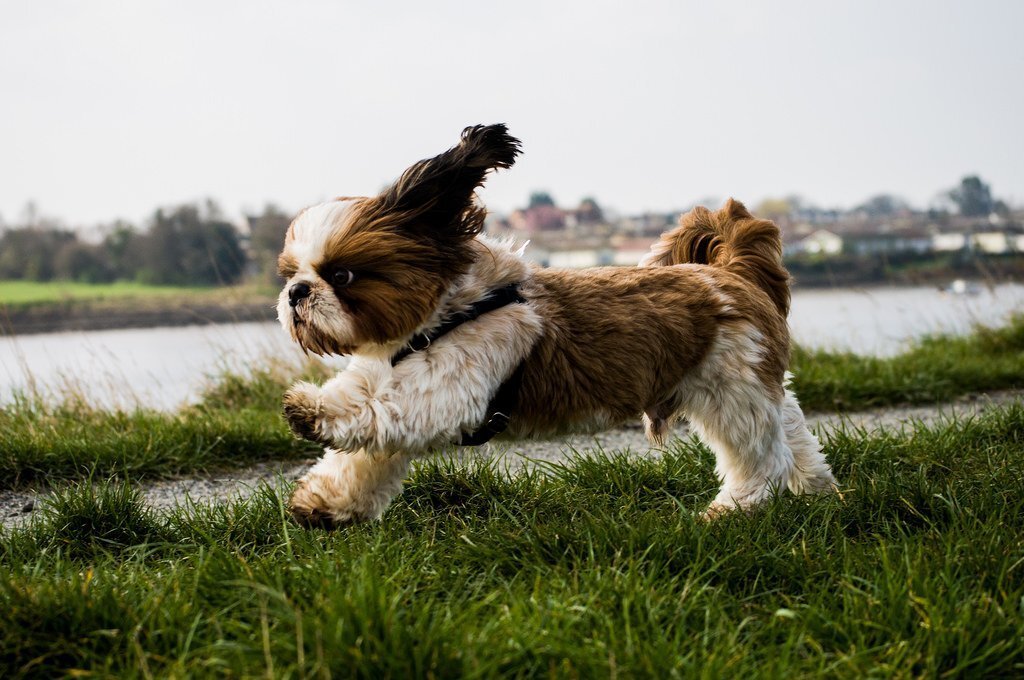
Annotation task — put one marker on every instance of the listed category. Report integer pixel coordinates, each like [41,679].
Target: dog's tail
[730,238]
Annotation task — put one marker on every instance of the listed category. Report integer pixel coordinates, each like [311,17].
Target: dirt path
[17,506]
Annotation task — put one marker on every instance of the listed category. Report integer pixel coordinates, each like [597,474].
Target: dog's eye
[342,277]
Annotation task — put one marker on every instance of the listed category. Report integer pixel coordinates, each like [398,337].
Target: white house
[820,242]
[949,241]
[994,242]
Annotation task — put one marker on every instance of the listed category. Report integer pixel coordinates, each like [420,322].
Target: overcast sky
[109,109]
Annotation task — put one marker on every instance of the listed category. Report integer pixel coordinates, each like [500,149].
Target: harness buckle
[423,344]
[498,422]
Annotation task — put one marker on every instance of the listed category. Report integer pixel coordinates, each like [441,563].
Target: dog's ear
[436,195]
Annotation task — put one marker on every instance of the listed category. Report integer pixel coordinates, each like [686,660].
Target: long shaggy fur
[698,332]
[730,238]
[435,194]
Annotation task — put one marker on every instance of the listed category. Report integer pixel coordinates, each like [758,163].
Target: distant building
[912,240]
[819,242]
[588,214]
[629,251]
[569,257]
[993,242]
[538,218]
[951,241]
[648,224]
[588,236]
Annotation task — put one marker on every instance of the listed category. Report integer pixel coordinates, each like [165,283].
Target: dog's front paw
[312,509]
[312,506]
[303,409]
[346,489]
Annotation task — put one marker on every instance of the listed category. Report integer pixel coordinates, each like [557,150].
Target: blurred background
[154,153]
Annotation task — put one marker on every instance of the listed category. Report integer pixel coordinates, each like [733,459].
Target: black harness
[499,410]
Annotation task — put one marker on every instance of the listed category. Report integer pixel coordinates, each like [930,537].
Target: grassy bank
[931,370]
[238,422]
[598,569]
[26,293]
[28,307]
[40,445]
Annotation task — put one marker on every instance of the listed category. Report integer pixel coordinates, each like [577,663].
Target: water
[166,367]
[882,321]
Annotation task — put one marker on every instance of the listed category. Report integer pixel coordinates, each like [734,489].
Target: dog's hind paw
[716,510]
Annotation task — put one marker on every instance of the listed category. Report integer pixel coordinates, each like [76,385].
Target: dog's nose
[297,293]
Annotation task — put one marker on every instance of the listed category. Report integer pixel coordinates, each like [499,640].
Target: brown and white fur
[697,331]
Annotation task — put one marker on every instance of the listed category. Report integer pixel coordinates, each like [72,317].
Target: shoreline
[66,317]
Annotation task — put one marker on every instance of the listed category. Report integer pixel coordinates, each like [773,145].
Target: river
[166,367]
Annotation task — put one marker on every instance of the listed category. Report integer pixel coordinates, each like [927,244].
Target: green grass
[238,423]
[932,370]
[598,568]
[29,292]
[47,445]
[57,297]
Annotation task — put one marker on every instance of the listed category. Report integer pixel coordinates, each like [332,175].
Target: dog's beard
[317,324]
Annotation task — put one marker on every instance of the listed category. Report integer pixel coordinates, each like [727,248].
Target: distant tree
[589,211]
[883,205]
[29,252]
[211,210]
[797,203]
[266,239]
[973,198]
[773,208]
[187,246]
[119,243]
[30,214]
[83,262]
[541,198]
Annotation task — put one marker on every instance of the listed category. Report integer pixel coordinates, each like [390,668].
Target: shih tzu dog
[454,339]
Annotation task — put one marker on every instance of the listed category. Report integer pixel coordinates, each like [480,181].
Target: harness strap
[502,405]
[496,299]
[499,411]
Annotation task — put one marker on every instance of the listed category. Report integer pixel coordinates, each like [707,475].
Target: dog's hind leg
[752,457]
[347,488]
[737,409]
[761,445]
[812,473]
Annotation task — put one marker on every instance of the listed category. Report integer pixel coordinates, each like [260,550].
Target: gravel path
[17,506]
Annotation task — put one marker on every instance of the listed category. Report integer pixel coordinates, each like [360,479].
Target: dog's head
[361,271]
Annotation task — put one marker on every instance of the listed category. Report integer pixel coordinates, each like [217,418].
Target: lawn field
[64,296]
[33,292]
[933,369]
[32,307]
[597,568]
